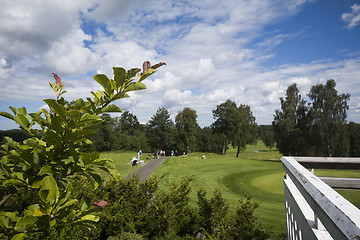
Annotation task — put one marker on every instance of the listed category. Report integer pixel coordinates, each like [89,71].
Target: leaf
[22,121]
[22,111]
[111,108]
[90,217]
[12,215]
[104,81]
[119,76]
[14,110]
[135,86]
[19,236]
[39,212]
[158,65]
[36,143]
[7,115]
[132,72]
[146,74]
[27,220]
[49,191]
[36,184]
[56,108]
[14,182]
[4,222]
[78,104]
[67,204]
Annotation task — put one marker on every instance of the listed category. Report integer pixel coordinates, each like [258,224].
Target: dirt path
[145,171]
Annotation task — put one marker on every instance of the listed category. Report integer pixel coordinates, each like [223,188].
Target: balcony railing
[313,209]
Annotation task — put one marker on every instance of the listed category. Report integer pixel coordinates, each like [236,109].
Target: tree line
[233,125]
[299,128]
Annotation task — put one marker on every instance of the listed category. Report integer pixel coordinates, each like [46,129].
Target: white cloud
[352,18]
[214,50]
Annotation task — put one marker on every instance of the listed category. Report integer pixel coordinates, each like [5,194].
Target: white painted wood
[338,216]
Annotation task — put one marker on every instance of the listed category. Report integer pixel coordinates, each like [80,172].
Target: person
[172,153]
[139,154]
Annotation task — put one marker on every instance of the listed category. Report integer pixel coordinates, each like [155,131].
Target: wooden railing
[313,209]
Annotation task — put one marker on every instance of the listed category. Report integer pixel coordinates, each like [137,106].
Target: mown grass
[257,173]
[236,178]
[122,159]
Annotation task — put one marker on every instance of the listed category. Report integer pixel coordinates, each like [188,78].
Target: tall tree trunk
[238,151]
[224,147]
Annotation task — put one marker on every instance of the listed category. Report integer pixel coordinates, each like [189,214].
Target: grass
[236,178]
[122,159]
[257,173]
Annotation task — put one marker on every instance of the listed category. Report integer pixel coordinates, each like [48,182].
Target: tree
[49,165]
[235,124]
[106,138]
[290,123]
[353,130]
[129,123]
[245,130]
[225,116]
[208,141]
[187,127]
[268,138]
[328,114]
[160,130]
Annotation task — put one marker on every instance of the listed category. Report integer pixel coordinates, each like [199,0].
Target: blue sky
[246,51]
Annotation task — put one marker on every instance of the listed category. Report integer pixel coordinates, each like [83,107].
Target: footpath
[145,171]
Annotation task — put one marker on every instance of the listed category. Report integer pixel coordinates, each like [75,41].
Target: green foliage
[317,128]
[208,141]
[236,125]
[187,127]
[139,210]
[160,131]
[49,165]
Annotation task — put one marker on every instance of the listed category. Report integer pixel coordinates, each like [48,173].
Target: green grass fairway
[248,175]
[122,159]
[257,172]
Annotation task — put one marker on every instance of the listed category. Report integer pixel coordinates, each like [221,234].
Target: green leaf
[56,108]
[36,184]
[90,217]
[4,222]
[49,191]
[22,121]
[14,182]
[67,204]
[111,108]
[132,72]
[36,143]
[119,76]
[14,110]
[22,111]
[7,115]
[39,212]
[135,86]
[78,104]
[12,215]
[146,74]
[104,81]
[27,220]
[19,236]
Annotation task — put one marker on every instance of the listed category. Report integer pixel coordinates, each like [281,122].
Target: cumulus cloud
[214,51]
[352,18]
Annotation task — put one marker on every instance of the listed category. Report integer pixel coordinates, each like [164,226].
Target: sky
[245,51]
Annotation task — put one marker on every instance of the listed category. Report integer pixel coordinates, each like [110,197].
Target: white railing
[313,209]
